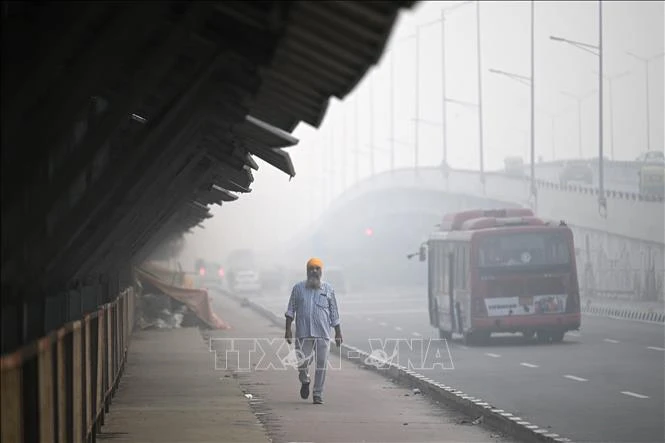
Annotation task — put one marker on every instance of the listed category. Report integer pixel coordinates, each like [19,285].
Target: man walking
[314,307]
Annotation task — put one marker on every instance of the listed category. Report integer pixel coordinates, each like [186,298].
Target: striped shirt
[315,310]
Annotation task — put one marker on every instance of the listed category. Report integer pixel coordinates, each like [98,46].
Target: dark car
[577,171]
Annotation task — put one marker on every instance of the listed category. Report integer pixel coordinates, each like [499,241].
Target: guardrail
[581,189]
[650,315]
[59,387]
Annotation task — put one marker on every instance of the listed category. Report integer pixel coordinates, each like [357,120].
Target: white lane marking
[383,323]
[632,394]
[370,319]
[489,354]
[415,334]
[360,313]
[609,340]
[463,347]
[529,365]
[655,348]
[397,328]
[572,377]
[574,334]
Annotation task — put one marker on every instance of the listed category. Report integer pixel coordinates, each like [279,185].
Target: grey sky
[279,208]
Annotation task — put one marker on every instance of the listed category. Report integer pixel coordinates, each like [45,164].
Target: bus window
[523,249]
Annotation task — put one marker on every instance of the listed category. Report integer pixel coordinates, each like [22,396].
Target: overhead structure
[123,122]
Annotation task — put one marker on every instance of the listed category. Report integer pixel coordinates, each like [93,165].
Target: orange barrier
[77,372]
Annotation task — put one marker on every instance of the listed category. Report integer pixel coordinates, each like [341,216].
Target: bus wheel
[543,336]
[557,336]
[446,335]
[476,338]
[528,335]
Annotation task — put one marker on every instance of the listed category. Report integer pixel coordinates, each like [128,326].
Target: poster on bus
[526,305]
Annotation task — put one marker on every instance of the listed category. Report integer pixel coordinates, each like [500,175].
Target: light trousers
[312,349]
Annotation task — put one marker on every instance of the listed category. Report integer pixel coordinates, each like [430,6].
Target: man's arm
[290,314]
[334,318]
[287,332]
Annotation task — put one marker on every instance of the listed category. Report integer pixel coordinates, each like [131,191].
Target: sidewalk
[173,392]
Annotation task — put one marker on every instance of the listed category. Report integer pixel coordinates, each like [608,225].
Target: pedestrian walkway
[176,390]
[171,393]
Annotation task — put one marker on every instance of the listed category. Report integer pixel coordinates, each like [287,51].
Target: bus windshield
[523,249]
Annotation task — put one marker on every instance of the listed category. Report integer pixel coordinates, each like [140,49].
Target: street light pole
[601,161]
[444,113]
[355,130]
[371,125]
[596,50]
[392,111]
[417,99]
[646,61]
[344,148]
[480,97]
[579,99]
[533,120]
[443,92]
[553,139]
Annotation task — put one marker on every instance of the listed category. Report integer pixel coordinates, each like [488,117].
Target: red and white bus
[502,270]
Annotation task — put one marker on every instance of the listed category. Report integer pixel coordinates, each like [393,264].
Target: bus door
[431,283]
[453,308]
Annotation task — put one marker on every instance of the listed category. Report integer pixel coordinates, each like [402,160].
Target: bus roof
[462,225]
[456,221]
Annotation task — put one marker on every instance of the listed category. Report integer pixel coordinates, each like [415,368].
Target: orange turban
[315,262]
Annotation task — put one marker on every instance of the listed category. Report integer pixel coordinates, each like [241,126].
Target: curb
[495,418]
[627,314]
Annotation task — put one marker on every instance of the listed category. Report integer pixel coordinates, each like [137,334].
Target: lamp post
[416,120]
[443,82]
[579,99]
[356,169]
[480,97]
[528,81]
[371,125]
[392,99]
[610,80]
[646,61]
[596,50]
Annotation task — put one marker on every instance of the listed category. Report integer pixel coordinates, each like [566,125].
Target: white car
[245,281]
[652,157]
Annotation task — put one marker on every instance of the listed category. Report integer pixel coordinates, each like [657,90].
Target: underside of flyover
[370,237]
[122,123]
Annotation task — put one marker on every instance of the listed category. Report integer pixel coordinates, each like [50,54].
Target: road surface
[603,384]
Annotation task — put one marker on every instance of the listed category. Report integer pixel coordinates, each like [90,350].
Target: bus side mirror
[423,253]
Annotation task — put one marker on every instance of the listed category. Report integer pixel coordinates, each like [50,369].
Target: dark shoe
[304,390]
[317,400]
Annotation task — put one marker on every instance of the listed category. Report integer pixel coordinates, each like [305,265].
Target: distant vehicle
[514,166]
[652,179]
[209,274]
[652,157]
[576,170]
[502,270]
[242,271]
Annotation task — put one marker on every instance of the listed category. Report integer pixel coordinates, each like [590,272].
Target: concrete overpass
[617,253]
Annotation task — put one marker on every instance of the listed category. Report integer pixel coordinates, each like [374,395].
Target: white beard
[313,282]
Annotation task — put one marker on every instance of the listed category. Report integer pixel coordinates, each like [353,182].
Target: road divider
[649,316]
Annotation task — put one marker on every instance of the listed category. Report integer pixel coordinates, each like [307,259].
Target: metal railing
[59,387]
